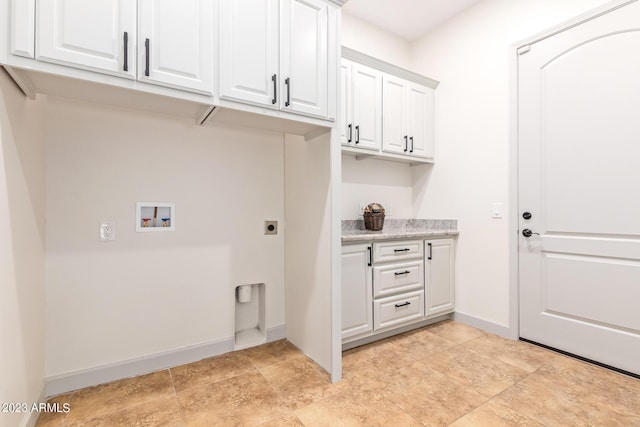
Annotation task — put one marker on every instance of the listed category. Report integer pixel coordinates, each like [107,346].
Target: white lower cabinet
[397,251]
[390,284]
[398,283]
[439,276]
[394,278]
[357,317]
[398,309]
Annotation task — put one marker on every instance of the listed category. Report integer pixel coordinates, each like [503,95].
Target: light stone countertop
[353,230]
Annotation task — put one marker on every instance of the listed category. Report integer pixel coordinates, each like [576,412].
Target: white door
[367,107]
[97,35]
[357,290]
[304,56]
[438,277]
[579,134]
[249,53]
[176,44]
[346,103]
[394,115]
[421,115]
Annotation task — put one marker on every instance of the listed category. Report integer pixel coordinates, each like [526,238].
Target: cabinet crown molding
[354,55]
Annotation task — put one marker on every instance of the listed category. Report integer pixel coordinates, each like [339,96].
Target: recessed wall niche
[155,216]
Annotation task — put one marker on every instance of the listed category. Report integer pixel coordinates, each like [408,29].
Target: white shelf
[380,155]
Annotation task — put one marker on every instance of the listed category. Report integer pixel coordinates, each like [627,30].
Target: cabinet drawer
[389,279]
[398,309]
[395,251]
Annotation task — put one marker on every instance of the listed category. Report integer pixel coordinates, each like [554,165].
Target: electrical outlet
[107,231]
[388,210]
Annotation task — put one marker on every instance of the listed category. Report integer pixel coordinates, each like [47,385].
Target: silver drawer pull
[400,273]
[402,250]
[403,305]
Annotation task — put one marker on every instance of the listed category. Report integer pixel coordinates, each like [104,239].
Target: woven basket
[373,221]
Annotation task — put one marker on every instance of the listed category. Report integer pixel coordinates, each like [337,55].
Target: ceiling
[408,19]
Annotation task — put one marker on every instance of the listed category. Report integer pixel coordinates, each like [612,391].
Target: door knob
[528,233]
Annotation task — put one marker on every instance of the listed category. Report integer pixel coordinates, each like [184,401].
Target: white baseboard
[386,334]
[32,418]
[276,333]
[485,325]
[60,384]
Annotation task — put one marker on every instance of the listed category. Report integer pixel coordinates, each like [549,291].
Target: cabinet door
[176,44]
[357,302]
[304,56]
[249,51]
[367,107]
[421,114]
[88,34]
[439,276]
[395,138]
[346,104]
[23,31]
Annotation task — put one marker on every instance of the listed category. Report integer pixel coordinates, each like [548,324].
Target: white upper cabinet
[395,138]
[23,28]
[304,56]
[361,123]
[175,43]
[275,54]
[249,51]
[386,112]
[98,35]
[346,103]
[407,118]
[421,120]
[163,42]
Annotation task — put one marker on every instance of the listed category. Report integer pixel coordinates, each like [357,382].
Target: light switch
[496,210]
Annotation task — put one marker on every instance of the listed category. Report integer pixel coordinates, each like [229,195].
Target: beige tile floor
[444,374]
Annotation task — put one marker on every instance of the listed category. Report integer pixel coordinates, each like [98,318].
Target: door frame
[514,209]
